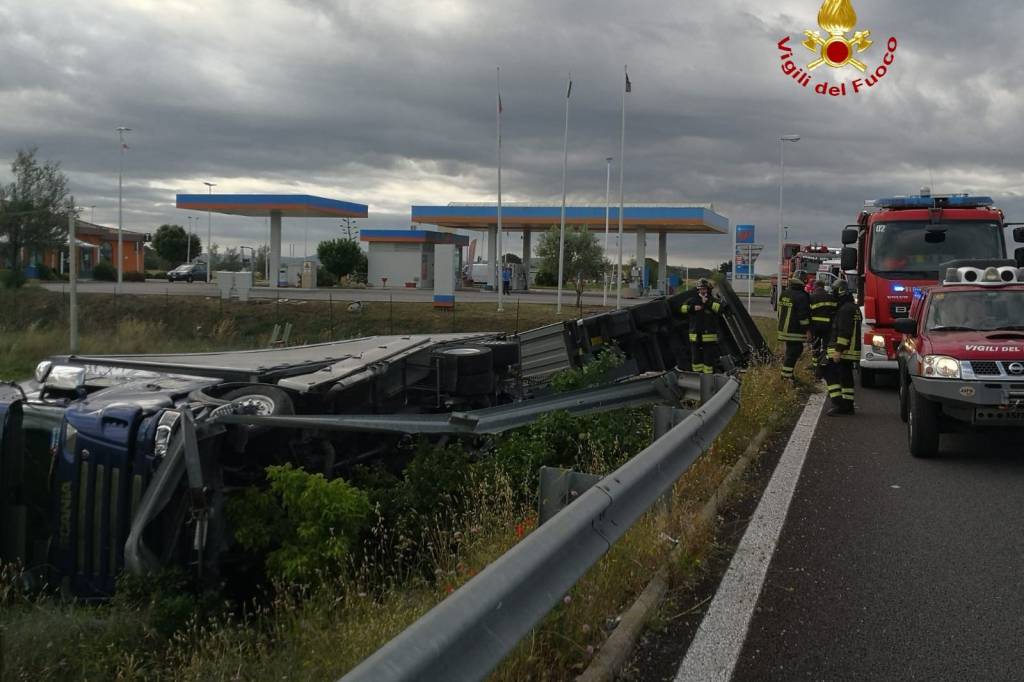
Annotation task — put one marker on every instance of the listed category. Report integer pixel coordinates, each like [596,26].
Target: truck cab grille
[985,368]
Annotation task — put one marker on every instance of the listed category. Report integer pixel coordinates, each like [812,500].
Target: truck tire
[868,378]
[475,384]
[461,361]
[504,354]
[922,425]
[263,400]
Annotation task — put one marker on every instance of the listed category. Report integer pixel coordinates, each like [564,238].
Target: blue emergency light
[932,201]
[898,288]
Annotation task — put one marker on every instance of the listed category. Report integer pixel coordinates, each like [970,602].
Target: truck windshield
[900,249]
[995,310]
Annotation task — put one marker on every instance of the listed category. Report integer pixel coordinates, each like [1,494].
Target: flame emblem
[837,18]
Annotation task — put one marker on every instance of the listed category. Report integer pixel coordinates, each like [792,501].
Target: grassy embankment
[34,323]
[322,634]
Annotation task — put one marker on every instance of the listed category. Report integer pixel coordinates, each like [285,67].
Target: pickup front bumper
[984,403]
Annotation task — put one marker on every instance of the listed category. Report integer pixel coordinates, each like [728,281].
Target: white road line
[716,647]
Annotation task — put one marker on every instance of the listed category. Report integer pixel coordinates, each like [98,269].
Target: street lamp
[607,198]
[209,236]
[121,130]
[782,178]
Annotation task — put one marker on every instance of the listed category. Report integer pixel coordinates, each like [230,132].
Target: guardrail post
[559,487]
[666,418]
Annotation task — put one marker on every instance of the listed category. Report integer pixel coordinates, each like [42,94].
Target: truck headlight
[878,343]
[941,366]
[164,429]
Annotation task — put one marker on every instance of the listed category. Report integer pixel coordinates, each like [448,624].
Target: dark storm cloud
[392,103]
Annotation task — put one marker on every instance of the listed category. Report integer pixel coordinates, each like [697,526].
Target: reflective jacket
[794,313]
[704,323]
[823,309]
[845,336]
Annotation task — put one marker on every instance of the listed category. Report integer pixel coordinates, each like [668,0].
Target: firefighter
[843,350]
[823,309]
[703,312]
[794,322]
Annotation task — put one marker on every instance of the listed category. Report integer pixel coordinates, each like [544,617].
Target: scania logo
[1015,368]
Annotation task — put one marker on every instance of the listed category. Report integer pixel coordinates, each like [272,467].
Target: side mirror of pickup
[906,325]
[850,235]
[848,258]
[1018,255]
[1018,234]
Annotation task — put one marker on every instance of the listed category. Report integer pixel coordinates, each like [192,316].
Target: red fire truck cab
[961,358]
[900,243]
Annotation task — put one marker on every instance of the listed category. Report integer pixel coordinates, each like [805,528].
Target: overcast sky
[391,103]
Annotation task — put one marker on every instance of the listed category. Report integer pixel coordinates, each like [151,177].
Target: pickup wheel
[189,279]
[903,386]
[922,425]
[868,378]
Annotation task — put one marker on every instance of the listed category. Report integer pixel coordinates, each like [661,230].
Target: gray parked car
[188,272]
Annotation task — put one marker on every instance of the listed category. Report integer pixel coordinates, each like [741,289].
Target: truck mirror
[906,325]
[1018,234]
[1018,255]
[848,258]
[850,236]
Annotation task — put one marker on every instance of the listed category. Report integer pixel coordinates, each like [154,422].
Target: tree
[584,258]
[231,261]
[34,208]
[341,257]
[171,244]
[512,258]
[725,266]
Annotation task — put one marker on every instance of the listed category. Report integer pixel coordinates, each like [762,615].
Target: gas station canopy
[259,205]
[276,206]
[656,218]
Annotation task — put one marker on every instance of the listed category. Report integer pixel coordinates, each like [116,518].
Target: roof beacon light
[991,275]
[933,201]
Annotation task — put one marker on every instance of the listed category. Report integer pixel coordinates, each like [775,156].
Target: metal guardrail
[469,633]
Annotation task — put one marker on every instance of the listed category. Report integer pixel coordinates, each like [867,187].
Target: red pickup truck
[961,359]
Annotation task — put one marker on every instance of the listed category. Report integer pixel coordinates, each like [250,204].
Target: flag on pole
[500,108]
[629,86]
[124,145]
[568,93]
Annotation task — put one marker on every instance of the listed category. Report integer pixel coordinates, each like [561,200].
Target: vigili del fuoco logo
[838,51]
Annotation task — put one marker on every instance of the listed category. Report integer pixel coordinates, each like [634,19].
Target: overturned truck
[115,463]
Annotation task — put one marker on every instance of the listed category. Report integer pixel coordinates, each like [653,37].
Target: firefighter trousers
[819,340]
[705,356]
[839,376]
[793,351]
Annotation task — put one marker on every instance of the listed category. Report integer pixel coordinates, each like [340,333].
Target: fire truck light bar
[932,201]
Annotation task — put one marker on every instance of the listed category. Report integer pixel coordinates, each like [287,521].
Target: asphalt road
[759,306]
[891,568]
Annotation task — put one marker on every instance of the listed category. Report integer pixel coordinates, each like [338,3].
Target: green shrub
[156,274]
[325,278]
[307,523]
[545,279]
[11,279]
[134,276]
[104,272]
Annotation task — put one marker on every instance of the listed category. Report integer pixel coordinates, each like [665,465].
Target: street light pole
[209,236]
[121,130]
[782,177]
[607,210]
[188,242]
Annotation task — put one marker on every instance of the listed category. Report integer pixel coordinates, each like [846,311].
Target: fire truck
[811,258]
[895,249]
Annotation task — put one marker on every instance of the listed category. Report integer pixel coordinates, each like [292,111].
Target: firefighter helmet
[841,289]
[704,283]
[800,277]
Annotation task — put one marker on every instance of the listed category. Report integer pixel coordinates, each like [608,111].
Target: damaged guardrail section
[469,633]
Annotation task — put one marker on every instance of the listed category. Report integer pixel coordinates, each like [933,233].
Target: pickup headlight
[878,343]
[941,366]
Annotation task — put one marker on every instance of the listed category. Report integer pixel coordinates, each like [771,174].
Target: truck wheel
[902,387]
[454,362]
[868,378]
[922,425]
[262,400]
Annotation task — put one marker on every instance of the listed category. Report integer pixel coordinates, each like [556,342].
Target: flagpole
[561,230]
[622,168]
[498,268]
